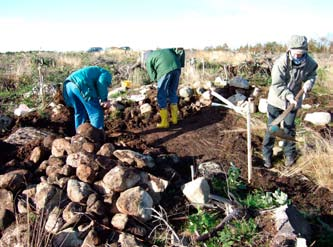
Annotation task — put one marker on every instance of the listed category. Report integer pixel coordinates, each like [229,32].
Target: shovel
[275,130]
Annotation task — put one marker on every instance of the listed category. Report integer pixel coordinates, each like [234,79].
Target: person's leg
[269,139]
[162,89]
[95,113]
[74,97]
[289,147]
[172,95]
[173,86]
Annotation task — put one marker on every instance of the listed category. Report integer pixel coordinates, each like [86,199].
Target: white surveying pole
[249,147]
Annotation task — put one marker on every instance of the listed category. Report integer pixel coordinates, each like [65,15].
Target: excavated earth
[207,134]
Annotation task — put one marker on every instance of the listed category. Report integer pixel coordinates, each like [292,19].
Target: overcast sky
[65,25]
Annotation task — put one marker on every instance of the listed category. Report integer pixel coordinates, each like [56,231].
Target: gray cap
[298,42]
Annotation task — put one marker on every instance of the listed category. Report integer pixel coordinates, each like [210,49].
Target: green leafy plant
[234,180]
[280,197]
[236,233]
[202,222]
[218,185]
[265,200]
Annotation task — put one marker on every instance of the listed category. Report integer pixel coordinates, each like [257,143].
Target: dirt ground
[219,135]
[211,134]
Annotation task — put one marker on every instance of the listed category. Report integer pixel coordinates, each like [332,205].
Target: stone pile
[85,192]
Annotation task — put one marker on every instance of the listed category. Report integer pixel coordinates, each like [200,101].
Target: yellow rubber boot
[164,119]
[174,113]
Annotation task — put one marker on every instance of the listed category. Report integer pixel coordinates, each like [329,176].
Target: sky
[72,25]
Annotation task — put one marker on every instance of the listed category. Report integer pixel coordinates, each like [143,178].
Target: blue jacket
[92,81]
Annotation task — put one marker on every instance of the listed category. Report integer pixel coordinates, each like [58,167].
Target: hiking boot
[268,163]
[290,160]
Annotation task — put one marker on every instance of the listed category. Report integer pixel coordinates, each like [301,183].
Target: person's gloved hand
[307,86]
[291,100]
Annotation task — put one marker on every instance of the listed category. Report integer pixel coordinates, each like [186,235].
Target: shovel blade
[277,132]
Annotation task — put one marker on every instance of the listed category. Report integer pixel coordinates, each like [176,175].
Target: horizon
[63,26]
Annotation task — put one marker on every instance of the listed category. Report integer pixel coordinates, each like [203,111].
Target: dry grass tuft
[121,55]
[74,61]
[316,160]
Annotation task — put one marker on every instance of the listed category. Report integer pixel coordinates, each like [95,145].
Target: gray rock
[135,202]
[106,150]
[197,191]
[134,158]
[78,191]
[120,178]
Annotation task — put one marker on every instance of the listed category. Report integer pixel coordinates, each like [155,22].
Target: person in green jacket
[164,66]
[86,90]
[291,72]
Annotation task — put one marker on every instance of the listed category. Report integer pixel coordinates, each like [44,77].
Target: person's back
[161,62]
[86,90]
[92,81]
[164,66]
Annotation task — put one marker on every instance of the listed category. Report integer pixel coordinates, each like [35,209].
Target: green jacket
[288,78]
[93,82]
[161,62]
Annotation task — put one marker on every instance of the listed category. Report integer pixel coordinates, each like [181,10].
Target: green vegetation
[256,199]
[202,222]
[265,200]
[232,183]
[118,94]
[236,233]
[322,74]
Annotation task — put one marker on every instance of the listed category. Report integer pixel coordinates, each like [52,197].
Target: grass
[33,233]
[316,161]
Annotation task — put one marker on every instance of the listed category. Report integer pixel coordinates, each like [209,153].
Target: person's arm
[103,82]
[311,77]
[280,78]
[151,69]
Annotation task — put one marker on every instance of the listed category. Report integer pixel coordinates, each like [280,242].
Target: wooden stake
[249,147]
[41,85]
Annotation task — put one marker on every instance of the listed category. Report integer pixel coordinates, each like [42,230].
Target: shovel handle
[283,115]
[299,94]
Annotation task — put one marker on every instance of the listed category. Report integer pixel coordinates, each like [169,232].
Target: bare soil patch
[210,134]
